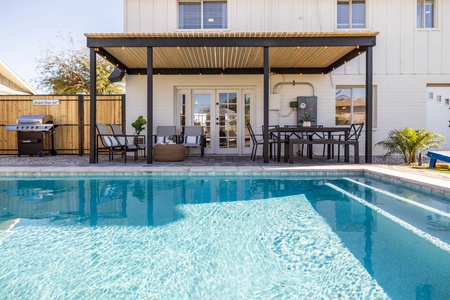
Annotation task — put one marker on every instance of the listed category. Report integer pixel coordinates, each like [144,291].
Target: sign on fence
[46,102]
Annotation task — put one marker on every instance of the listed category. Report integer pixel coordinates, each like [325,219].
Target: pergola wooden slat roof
[232,52]
[215,52]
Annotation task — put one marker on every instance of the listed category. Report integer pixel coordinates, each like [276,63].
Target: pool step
[430,238]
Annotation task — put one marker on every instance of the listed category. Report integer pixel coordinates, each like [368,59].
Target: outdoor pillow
[191,139]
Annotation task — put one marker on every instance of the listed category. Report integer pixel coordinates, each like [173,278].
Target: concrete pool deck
[425,179]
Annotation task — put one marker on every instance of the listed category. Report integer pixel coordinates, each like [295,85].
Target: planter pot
[306,124]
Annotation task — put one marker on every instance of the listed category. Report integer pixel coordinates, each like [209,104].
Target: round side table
[169,152]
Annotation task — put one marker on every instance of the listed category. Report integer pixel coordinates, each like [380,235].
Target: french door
[221,112]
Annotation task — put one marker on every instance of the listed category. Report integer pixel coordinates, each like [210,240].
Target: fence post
[124,113]
[80,125]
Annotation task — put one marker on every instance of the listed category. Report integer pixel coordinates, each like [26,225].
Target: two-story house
[222,64]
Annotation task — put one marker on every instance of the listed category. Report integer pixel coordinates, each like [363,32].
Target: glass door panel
[227,118]
[202,114]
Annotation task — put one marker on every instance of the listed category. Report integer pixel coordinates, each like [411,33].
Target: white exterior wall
[406,59]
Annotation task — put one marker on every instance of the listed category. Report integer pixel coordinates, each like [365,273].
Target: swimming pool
[217,237]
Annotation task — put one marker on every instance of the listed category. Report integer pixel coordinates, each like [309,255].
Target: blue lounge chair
[438,155]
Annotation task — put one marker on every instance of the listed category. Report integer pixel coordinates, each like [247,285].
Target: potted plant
[139,125]
[306,120]
[171,138]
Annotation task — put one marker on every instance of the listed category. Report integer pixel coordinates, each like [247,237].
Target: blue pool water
[214,237]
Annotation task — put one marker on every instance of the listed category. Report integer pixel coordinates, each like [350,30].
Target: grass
[444,171]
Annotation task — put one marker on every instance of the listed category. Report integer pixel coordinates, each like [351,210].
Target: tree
[408,142]
[67,71]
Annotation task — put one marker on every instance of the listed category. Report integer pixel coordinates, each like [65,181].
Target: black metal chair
[355,132]
[257,139]
[295,135]
[193,136]
[166,134]
[132,140]
[112,143]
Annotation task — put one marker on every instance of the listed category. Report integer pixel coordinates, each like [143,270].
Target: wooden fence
[71,115]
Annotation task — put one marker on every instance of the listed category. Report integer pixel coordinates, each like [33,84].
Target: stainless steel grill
[32,123]
[32,132]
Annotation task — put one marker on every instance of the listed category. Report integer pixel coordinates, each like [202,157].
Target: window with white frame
[202,14]
[351,14]
[425,13]
[350,105]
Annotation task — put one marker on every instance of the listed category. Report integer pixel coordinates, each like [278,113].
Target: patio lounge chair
[193,137]
[132,140]
[111,144]
[163,134]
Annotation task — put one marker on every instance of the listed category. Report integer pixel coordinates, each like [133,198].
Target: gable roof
[18,87]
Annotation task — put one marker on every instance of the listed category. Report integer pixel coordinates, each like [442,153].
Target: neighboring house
[410,75]
[11,84]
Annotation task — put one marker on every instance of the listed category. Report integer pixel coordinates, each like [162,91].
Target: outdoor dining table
[310,131]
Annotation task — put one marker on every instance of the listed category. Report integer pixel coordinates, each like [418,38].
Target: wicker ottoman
[169,152]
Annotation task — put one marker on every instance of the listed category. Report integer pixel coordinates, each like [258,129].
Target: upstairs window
[202,14]
[425,13]
[351,14]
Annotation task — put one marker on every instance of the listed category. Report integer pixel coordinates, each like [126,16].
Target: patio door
[217,111]
[223,114]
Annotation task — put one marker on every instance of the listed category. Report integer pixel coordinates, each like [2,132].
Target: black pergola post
[150,105]
[93,106]
[369,104]
[81,125]
[266,106]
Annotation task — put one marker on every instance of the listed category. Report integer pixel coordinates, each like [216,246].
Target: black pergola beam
[230,71]
[106,55]
[348,57]
[368,41]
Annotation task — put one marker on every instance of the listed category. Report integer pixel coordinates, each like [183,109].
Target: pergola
[261,53]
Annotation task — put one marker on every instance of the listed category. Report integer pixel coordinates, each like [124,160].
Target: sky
[28,27]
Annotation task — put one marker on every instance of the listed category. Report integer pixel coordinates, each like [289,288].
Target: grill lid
[38,119]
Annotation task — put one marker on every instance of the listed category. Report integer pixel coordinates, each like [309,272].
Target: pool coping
[421,182]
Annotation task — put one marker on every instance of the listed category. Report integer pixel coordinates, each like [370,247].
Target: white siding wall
[406,59]
[438,113]
[401,47]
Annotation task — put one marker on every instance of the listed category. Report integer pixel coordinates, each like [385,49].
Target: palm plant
[408,142]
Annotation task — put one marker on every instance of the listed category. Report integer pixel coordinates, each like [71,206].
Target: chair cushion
[191,139]
[110,141]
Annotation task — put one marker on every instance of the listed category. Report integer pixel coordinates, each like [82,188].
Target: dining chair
[277,139]
[257,139]
[354,134]
[295,135]
[321,135]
